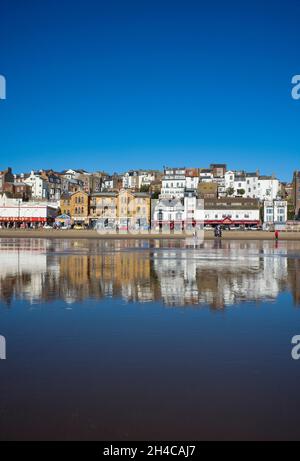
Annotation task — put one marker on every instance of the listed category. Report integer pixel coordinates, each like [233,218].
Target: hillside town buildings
[143,198]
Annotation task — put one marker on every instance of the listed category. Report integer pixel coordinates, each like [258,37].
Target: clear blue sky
[122,84]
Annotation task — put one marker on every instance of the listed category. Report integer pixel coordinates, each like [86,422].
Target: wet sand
[91,234]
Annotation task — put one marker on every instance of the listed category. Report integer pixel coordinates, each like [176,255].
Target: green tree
[145,188]
[155,195]
[291,212]
[230,191]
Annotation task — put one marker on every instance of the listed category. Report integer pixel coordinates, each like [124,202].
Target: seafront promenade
[92,234]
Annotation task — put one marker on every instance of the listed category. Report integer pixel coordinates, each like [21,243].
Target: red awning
[23,219]
[233,222]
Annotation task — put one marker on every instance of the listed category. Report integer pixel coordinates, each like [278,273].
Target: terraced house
[111,210]
[134,210]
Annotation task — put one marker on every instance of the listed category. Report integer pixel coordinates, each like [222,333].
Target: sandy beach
[90,234]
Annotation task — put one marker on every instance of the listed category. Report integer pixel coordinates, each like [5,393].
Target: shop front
[23,222]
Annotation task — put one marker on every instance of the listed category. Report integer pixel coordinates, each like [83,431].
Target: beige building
[123,210]
[77,206]
[208,190]
[134,210]
[103,209]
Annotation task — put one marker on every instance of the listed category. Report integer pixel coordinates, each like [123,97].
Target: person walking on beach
[276,236]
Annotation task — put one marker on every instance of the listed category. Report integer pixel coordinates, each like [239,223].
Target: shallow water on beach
[148,339]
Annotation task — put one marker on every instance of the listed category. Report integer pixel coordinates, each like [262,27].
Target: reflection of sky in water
[217,273]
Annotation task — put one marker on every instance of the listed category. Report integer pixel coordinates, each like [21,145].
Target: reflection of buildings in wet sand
[123,274]
[294,278]
[22,270]
[185,278]
[177,277]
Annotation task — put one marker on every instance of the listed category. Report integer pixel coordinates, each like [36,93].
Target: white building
[235,180]
[178,214]
[173,183]
[206,175]
[39,186]
[192,182]
[275,213]
[252,185]
[232,212]
[146,178]
[136,179]
[15,211]
[221,186]
[108,183]
[193,210]
[131,180]
[167,212]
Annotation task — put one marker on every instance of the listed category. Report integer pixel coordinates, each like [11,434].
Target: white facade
[130,180]
[229,179]
[108,184]
[173,183]
[15,210]
[221,186]
[145,178]
[191,182]
[167,212]
[39,186]
[193,209]
[254,186]
[187,212]
[206,176]
[241,215]
[275,212]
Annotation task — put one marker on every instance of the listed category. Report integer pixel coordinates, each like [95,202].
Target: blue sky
[113,85]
